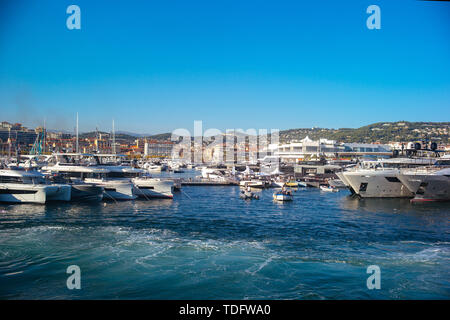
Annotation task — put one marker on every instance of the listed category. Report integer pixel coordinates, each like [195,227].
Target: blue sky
[155,66]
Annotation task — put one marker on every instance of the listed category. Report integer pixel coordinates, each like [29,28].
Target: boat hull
[377,184]
[153,188]
[86,192]
[282,197]
[28,193]
[59,192]
[427,187]
[115,189]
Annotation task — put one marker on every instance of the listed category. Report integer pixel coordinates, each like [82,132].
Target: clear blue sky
[155,66]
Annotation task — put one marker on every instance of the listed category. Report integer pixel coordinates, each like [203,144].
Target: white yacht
[90,182]
[144,186]
[147,187]
[153,168]
[19,185]
[114,189]
[119,182]
[252,183]
[378,179]
[430,183]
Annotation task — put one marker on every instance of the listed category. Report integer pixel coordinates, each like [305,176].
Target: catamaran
[29,186]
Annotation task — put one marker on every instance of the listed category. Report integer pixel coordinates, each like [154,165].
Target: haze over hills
[382,132]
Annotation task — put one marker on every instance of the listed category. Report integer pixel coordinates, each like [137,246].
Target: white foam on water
[259,267]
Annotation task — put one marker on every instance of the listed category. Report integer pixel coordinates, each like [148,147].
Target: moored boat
[329,189]
[283,195]
[22,186]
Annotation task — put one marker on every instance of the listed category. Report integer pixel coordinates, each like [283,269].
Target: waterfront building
[158,149]
[307,149]
[17,136]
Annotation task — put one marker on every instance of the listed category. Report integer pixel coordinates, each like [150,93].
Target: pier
[207,182]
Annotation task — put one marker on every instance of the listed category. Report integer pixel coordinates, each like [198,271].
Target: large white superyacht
[428,183]
[378,179]
[18,185]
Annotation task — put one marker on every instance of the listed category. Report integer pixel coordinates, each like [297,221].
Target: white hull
[153,188]
[377,184]
[342,177]
[278,183]
[28,193]
[252,184]
[326,189]
[115,189]
[154,169]
[336,183]
[427,186]
[282,197]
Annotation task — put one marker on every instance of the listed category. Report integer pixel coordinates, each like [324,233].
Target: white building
[307,149]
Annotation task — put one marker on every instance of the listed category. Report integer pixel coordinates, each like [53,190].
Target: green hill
[382,132]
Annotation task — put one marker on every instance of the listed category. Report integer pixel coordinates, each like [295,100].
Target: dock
[208,182]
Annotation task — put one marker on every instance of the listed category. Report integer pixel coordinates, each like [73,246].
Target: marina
[215,232]
[207,243]
[235,151]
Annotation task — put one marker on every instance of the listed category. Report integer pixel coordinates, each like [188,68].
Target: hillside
[382,132]
[128,136]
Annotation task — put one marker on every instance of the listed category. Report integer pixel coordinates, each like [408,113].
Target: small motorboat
[278,184]
[329,188]
[302,184]
[283,195]
[247,194]
[292,184]
[252,183]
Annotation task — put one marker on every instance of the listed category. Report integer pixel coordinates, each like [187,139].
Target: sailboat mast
[9,143]
[43,137]
[114,138]
[77,148]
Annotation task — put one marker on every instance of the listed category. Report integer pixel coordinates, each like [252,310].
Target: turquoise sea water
[207,243]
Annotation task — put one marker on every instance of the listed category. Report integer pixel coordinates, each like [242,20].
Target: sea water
[207,243]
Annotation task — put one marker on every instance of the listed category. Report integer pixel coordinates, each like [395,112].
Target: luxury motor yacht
[148,187]
[90,182]
[75,175]
[154,167]
[378,179]
[144,186]
[430,183]
[28,186]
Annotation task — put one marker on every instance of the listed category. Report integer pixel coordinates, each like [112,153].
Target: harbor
[217,232]
[207,243]
[224,155]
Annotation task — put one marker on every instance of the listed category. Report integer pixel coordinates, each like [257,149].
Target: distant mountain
[132,134]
